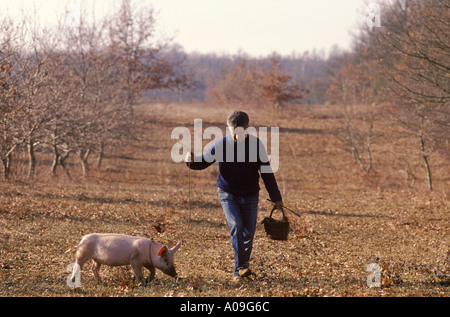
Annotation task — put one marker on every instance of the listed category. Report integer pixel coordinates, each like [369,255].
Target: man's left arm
[269,177]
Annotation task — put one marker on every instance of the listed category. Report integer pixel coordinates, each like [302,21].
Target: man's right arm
[200,162]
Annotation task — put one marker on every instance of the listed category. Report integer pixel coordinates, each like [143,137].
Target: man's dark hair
[238,119]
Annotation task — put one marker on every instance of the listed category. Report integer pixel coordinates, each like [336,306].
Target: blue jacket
[239,166]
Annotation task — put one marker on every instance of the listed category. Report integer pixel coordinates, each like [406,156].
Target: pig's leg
[137,271]
[95,268]
[152,270]
[136,267]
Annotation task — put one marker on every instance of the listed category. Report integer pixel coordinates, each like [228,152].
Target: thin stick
[189,188]
[189,182]
[287,209]
[189,195]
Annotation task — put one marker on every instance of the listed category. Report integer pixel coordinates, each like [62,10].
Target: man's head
[238,119]
[238,122]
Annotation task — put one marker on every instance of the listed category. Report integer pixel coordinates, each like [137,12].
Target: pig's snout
[171,272]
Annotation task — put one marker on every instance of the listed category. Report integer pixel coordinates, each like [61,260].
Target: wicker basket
[276,229]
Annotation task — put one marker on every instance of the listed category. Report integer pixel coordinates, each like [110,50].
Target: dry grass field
[348,220]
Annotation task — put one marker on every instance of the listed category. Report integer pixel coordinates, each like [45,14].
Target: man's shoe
[236,280]
[246,273]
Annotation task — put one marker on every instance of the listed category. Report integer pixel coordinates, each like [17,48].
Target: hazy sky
[259,27]
[256,27]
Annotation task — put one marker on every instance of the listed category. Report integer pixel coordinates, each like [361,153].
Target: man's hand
[278,204]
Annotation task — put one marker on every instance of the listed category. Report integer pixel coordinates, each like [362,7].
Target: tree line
[397,71]
[310,72]
[72,89]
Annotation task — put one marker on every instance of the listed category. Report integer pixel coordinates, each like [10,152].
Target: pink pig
[119,250]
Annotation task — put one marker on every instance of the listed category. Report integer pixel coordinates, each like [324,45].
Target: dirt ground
[347,221]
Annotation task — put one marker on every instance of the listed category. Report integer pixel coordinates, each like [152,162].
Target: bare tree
[40,63]
[59,94]
[239,84]
[353,92]
[413,49]
[132,41]
[15,110]
[276,87]
[250,83]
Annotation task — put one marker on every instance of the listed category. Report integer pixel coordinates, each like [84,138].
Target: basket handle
[282,211]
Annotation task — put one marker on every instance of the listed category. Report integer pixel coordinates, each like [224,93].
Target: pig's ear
[162,251]
[175,248]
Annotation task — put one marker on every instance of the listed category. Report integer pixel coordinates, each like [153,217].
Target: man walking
[240,157]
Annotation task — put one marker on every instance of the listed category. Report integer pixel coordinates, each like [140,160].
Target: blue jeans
[241,213]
